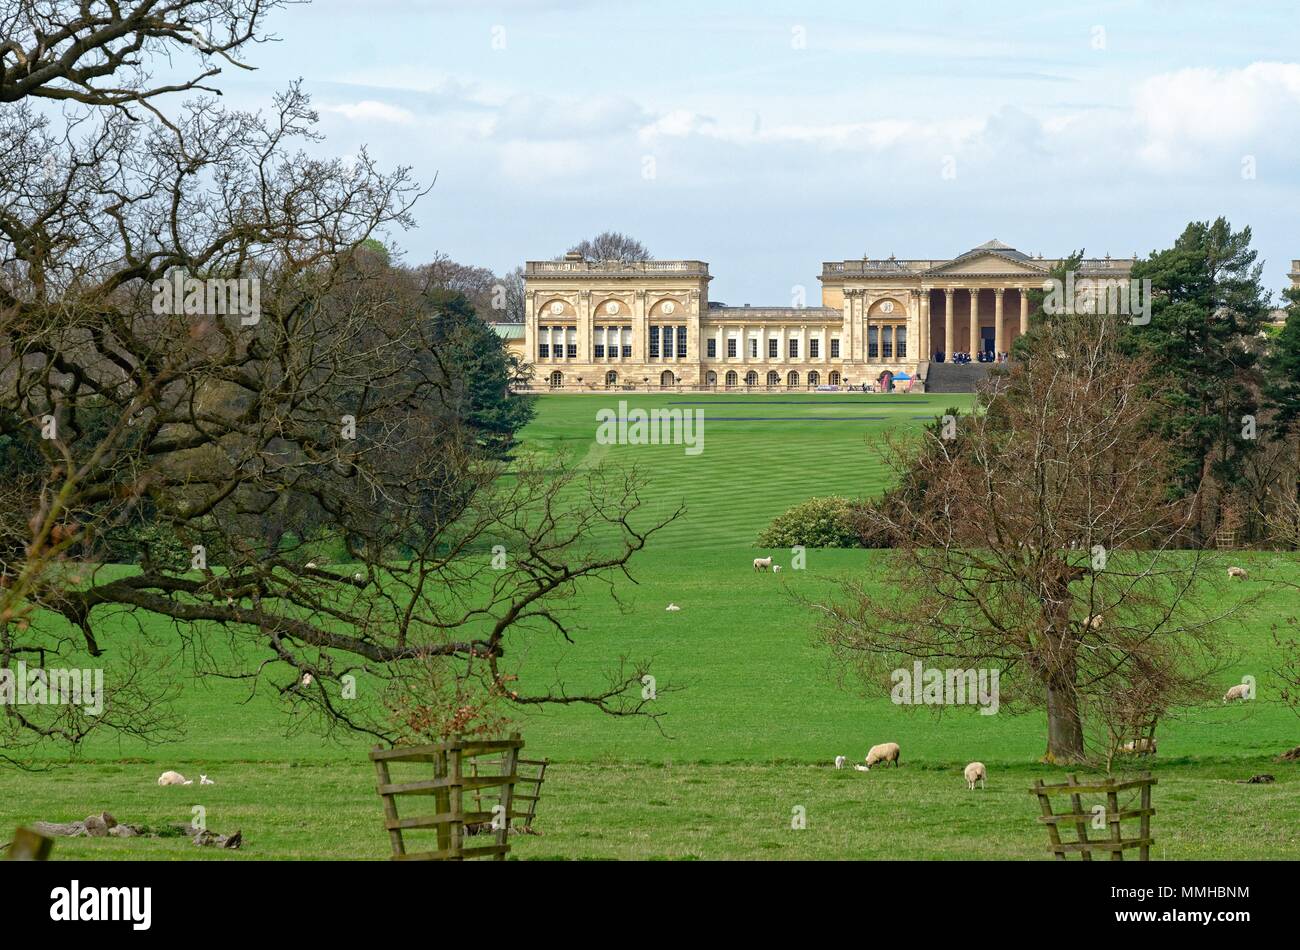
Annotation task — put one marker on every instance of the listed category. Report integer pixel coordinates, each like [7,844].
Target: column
[999,334]
[949,325]
[1024,311]
[922,343]
[974,322]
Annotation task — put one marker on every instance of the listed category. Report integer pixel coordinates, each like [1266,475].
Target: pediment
[989,262]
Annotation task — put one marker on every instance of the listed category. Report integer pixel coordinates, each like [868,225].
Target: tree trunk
[1064,727]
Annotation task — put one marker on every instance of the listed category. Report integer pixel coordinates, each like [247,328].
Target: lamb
[307,679]
[975,772]
[672,607]
[885,752]
[174,778]
[1139,747]
[776,568]
[1240,691]
[839,761]
[762,563]
[1238,572]
[358,577]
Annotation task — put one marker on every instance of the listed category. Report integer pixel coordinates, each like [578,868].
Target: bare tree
[612,246]
[1042,545]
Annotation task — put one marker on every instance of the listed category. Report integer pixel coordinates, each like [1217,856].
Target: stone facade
[649,324]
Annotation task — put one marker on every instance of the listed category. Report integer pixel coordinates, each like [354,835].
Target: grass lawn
[754,716]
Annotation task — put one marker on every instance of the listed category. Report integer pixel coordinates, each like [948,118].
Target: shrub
[816,523]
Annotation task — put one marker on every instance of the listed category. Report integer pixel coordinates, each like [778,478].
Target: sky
[766,138]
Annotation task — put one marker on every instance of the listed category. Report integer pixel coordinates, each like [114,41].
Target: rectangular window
[681,342]
[873,348]
[814,348]
[572,351]
[773,348]
[627,350]
[712,347]
[753,347]
[599,350]
[731,347]
[900,342]
[654,341]
[835,349]
[543,350]
[887,346]
[794,349]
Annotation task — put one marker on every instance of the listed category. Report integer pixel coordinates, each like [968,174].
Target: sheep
[358,577]
[672,607]
[885,752]
[1139,747]
[174,778]
[307,679]
[776,568]
[311,565]
[1094,622]
[975,772]
[1240,691]
[839,761]
[1238,572]
[762,563]
[204,780]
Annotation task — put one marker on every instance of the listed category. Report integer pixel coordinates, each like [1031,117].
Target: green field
[753,714]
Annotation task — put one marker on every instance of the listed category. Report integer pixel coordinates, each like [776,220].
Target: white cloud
[369,110]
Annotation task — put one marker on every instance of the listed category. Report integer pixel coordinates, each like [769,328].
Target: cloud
[370,110]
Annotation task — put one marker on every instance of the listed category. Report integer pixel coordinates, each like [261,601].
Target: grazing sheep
[762,563]
[975,772]
[1139,747]
[672,607]
[174,778]
[1238,572]
[307,679]
[885,752]
[1240,691]
[839,761]
[204,780]
[776,568]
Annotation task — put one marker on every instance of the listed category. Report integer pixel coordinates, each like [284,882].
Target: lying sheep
[672,607]
[1238,692]
[1238,572]
[174,778]
[1094,622]
[975,772]
[204,780]
[885,752]
[1139,747]
[762,563]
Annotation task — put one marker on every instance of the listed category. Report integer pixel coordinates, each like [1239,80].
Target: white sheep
[975,772]
[1238,572]
[1139,746]
[1094,622]
[311,565]
[672,607]
[885,752]
[204,780]
[1240,691]
[839,761]
[173,778]
[307,679]
[762,563]
[776,568]
[358,577]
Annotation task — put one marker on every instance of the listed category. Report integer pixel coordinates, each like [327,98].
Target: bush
[816,523]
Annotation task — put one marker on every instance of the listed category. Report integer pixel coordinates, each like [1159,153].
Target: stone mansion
[649,324]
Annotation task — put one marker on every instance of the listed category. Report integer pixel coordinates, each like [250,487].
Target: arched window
[792,380]
[667,379]
[711,378]
[834,378]
[557,379]
[731,379]
[773,378]
[611,379]
[751,378]
[814,378]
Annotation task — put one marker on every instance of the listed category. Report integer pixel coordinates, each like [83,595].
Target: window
[543,351]
[751,378]
[731,379]
[835,349]
[887,339]
[814,347]
[873,348]
[774,378]
[792,381]
[711,346]
[794,349]
[814,378]
[557,379]
[681,342]
[627,350]
[731,347]
[900,342]
[834,377]
[773,349]
[753,348]
[599,349]
[654,341]
[668,341]
[572,349]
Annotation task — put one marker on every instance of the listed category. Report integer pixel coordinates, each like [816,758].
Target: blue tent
[899,376]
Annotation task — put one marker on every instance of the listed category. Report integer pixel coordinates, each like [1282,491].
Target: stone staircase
[956,377]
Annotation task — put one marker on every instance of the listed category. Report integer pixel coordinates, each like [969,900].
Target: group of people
[981,357]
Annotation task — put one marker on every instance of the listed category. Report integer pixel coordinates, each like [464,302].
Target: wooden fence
[530,774]
[447,787]
[29,845]
[1110,816]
